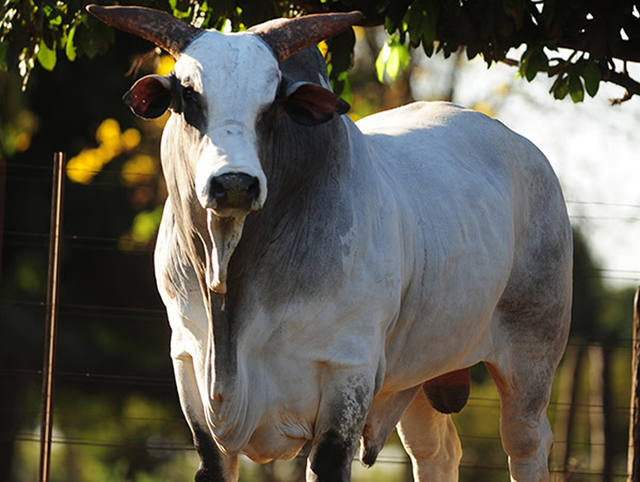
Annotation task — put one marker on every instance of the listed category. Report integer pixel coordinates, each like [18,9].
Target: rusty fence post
[633,458]
[51,325]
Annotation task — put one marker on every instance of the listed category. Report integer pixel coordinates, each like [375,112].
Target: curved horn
[288,36]
[164,30]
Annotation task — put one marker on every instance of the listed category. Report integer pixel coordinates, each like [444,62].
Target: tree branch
[623,80]
[623,50]
[510,62]
[619,78]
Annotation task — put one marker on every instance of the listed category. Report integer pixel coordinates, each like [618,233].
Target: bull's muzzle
[231,193]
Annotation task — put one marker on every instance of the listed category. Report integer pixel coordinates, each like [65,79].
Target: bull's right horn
[164,30]
[286,36]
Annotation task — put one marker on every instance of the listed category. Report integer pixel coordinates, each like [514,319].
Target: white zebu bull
[384,259]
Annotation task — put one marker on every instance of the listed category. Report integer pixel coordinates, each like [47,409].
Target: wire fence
[156,314]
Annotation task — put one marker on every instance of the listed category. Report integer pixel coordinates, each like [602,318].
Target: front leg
[214,465]
[343,410]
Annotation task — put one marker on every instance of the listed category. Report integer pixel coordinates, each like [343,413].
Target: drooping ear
[149,97]
[311,104]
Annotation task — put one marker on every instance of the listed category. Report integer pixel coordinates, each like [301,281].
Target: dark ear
[310,104]
[149,97]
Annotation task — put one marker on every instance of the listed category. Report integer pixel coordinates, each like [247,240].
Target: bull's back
[478,202]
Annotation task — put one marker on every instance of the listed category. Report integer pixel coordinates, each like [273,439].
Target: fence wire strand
[175,447]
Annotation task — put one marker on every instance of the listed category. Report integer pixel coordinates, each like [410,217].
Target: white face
[222,84]
[237,77]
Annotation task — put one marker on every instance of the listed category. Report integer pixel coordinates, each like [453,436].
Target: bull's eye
[192,107]
[190,96]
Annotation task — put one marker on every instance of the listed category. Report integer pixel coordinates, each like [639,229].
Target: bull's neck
[307,169]
[299,159]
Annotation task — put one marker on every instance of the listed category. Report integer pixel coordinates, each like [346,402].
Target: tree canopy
[579,44]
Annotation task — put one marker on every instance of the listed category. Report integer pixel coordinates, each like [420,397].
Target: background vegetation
[593,35]
[116,415]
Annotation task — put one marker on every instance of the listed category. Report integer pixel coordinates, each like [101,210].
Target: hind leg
[431,440]
[528,348]
[523,379]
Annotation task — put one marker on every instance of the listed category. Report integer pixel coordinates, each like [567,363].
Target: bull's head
[218,88]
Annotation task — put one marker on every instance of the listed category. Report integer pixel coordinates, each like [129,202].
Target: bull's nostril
[233,191]
[216,189]
[253,190]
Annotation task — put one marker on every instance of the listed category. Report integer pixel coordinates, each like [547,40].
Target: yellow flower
[106,152]
[78,168]
[323,48]
[138,169]
[165,65]
[22,141]
[84,167]
[130,139]
[108,133]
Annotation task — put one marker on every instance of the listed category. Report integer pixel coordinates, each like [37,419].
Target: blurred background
[116,413]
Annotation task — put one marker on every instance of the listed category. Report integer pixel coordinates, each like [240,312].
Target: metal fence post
[633,458]
[48,364]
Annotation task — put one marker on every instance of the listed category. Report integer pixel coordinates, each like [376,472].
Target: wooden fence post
[51,326]
[633,458]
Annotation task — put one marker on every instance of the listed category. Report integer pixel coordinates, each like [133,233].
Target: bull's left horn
[164,30]
[288,36]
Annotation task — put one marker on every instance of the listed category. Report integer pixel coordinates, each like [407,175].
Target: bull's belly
[432,344]
[403,373]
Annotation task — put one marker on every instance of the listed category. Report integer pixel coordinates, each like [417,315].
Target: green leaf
[394,15]
[54,17]
[560,87]
[46,56]
[390,25]
[431,23]
[340,58]
[524,62]
[381,61]
[428,48]
[341,51]
[70,48]
[392,66]
[416,23]
[92,37]
[345,92]
[538,62]
[592,76]
[532,62]
[575,88]
[393,58]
